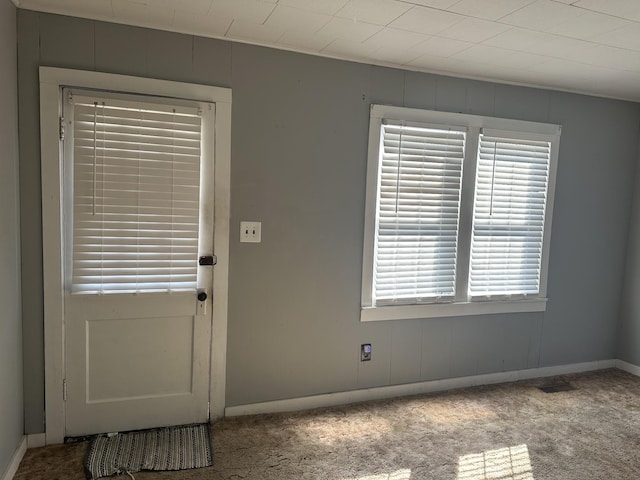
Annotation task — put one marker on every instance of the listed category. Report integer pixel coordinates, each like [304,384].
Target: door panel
[153,366]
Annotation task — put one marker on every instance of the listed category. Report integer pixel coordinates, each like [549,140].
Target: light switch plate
[250,232]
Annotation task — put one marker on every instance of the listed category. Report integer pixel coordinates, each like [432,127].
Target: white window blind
[417,214]
[509,215]
[136,190]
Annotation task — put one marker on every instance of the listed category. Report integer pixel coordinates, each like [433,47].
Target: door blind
[136,191]
[417,214]
[509,216]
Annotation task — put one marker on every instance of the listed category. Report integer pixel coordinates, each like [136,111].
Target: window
[458,214]
[135,169]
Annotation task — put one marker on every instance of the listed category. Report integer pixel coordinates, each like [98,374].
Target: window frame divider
[465,222]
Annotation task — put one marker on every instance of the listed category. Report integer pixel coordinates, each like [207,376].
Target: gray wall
[299,140]
[11,407]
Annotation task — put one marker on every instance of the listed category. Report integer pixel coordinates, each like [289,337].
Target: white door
[138,242]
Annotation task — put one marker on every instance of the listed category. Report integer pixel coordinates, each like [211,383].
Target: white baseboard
[343,398]
[35,440]
[628,367]
[15,460]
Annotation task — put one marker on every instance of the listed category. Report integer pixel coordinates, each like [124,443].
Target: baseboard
[15,460]
[35,440]
[628,367]
[354,396]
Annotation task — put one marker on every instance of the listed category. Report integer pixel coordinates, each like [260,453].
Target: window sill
[406,312]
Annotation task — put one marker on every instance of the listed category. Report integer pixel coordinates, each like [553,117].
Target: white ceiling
[589,46]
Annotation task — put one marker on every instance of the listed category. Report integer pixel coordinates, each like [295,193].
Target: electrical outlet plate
[250,232]
[365,352]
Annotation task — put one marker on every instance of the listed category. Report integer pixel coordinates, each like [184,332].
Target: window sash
[419,184]
[509,216]
[136,191]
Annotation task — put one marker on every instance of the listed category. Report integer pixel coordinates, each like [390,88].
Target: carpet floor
[510,431]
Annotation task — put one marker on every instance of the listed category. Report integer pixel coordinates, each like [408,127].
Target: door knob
[202,296]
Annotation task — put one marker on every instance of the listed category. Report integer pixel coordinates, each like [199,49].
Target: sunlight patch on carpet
[404,474]
[510,463]
[353,427]
[451,413]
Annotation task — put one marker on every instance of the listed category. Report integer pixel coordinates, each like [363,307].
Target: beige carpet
[504,432]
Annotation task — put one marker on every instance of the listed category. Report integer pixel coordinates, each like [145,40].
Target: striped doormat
[170,448]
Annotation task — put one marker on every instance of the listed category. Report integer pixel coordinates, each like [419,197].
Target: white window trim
[52,80]
[461,306]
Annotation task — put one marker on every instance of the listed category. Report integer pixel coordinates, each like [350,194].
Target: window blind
[136,190]
[509,216]
[417,214]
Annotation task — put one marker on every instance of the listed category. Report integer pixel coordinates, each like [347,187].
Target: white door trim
[51,82]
